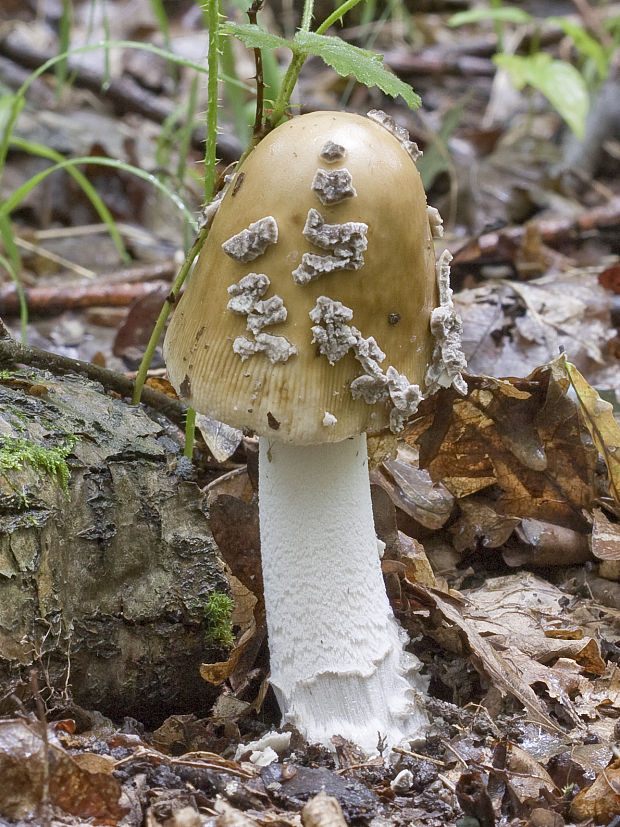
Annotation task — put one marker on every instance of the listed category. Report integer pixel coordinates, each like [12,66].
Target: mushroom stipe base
[338,660]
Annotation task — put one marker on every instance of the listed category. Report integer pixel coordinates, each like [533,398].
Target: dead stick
[551,230]
[48,301]
[258,60]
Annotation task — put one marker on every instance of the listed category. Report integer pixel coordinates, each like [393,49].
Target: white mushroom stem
[338,665]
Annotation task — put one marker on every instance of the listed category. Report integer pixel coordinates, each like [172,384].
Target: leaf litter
[523,665]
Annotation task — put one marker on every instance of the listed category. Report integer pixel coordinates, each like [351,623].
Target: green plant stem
[163,314]
[213,64]
[89,191]
[209,185]
[336,15]
[190,430]
[23,307]
[292,73]
[286,90]
[20,95]
[21,192]
[306,18]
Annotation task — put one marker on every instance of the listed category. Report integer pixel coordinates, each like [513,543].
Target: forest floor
[504,570]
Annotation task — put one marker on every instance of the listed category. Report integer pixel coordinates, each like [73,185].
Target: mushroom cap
[305,398]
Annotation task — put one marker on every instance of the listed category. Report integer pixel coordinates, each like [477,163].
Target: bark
[102,582]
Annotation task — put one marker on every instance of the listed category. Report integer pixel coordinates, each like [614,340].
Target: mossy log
[106,557]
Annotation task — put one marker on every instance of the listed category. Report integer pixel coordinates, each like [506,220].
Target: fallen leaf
[485,658]
[527,780]
[601,800]
[605,537]
[604,430]
[479,525]
[522,436]
[221,439]
[88,795]
[511,327]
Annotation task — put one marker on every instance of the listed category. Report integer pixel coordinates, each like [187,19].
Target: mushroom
[308,320]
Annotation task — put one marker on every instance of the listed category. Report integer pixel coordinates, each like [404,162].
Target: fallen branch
[551,230]
[48,301]
[14,353]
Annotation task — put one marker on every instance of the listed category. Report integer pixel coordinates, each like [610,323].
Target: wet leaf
[605,537]
[604,430]
[601,800]
[522,436]
[526,778]
[222,440]
[486,659]
[92,795]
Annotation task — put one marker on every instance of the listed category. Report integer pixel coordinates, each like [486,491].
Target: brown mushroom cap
[391,295]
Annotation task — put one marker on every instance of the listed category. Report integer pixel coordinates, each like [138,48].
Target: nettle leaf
[254,37]
[559,81]
[367,67]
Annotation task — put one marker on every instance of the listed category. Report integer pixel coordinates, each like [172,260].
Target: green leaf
[503,14]
[558,81]
[586,44]
[254,37]
[367,67]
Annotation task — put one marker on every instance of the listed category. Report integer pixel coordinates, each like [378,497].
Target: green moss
[217,614]
[15,451]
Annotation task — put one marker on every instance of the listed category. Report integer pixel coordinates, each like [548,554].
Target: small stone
[403,782]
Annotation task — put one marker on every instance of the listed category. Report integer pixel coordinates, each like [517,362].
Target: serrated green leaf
[558,81]
[345,59]
[254,37]
[503,14]
[586,44]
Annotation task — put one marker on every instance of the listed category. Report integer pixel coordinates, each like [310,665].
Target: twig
[48,301]
[551,230]
[419,755]
[14,353]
